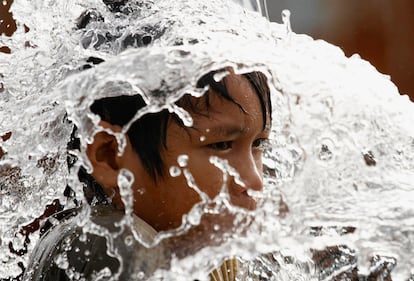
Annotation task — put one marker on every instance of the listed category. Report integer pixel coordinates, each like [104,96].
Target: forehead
[232,88]
[242,101]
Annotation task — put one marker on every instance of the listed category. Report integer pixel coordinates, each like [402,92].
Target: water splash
[182,160]
[175,171]
[338,172]
[125,181]
[286,20]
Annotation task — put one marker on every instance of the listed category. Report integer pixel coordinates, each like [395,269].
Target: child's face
[223,130]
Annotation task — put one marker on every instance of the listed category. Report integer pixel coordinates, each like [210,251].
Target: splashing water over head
[337,168]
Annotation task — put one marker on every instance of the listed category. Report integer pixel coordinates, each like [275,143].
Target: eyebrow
[228,130]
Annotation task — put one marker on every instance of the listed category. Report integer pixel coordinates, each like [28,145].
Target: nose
[250,170]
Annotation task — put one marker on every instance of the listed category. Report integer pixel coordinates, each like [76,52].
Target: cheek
[207,177]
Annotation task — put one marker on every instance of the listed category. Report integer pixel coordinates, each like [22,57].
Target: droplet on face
[141,191]
[194,217]
[175,171]
[125,181]
[202,138]
[182,160]
[125,178]
[120,138]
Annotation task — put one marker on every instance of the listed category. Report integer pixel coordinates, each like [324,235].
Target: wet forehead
[227,117]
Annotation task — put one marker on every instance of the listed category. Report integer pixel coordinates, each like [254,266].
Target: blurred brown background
[381,31]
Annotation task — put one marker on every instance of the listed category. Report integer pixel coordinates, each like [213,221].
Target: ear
[103,155]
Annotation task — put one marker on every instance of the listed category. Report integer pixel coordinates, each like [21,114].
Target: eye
[260,143]
[222,145]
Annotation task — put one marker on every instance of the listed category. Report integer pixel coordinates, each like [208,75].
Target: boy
[231,121]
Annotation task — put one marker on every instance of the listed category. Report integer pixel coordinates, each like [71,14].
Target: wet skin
[224,130]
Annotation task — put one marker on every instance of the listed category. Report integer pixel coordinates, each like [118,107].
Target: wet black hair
[148,134]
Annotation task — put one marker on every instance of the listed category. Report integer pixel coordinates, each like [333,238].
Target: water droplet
[286,20]
[76,276]
[129,240]
[202,138]
[194,217]
[125,181]
[182,160]
[141,275]
[82,237]
[120,138]
[66,245]
[184,116]
[141,191]
[175,171]
[216,227]
[61,260]
[103,274]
